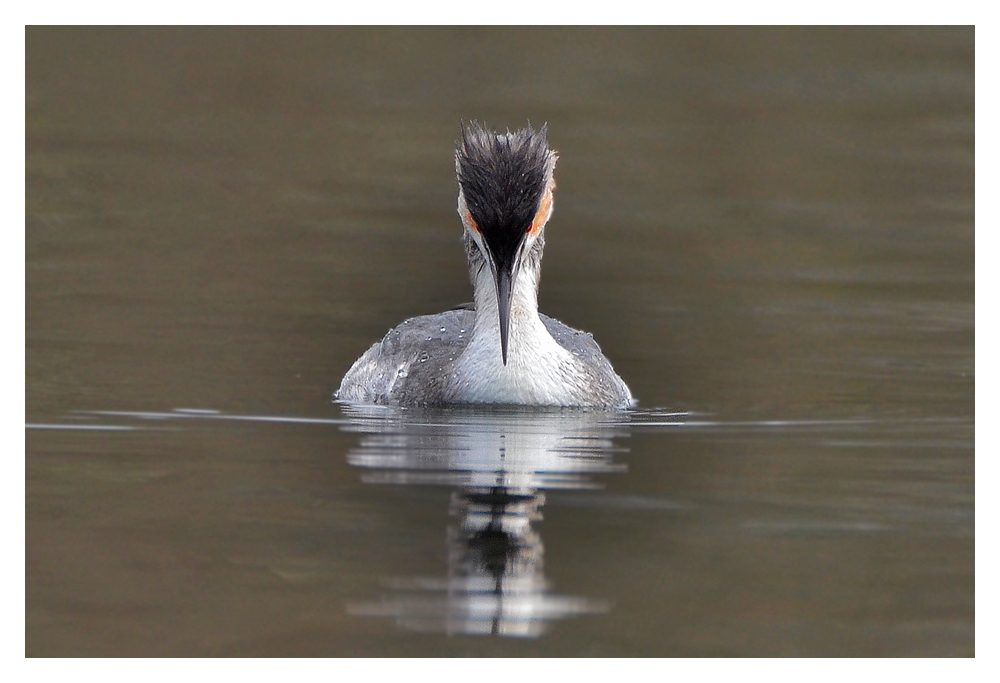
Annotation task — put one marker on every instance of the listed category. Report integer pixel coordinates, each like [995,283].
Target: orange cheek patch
[542,215]
[470,222]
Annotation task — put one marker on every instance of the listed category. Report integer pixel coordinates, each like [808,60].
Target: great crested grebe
[499,350]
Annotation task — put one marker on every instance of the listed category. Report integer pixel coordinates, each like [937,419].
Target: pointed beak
[505,291]
[504,277]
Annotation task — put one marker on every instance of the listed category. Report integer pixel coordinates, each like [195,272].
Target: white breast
[538,371]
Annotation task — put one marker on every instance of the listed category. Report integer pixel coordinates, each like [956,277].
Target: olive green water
[770,233]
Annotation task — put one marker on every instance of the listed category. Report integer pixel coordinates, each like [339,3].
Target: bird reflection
[500,463]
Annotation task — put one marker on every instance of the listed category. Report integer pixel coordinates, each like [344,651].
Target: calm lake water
[770,232]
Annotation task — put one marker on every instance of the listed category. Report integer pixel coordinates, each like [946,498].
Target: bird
[499,350]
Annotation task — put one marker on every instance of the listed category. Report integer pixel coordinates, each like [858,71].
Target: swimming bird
[498,350]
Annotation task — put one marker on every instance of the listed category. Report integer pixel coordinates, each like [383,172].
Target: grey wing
[581,344]
[411,364]
[577,342]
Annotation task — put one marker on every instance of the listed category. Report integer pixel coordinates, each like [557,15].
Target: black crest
[503,178]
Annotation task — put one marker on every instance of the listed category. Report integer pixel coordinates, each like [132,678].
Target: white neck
[537,367]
